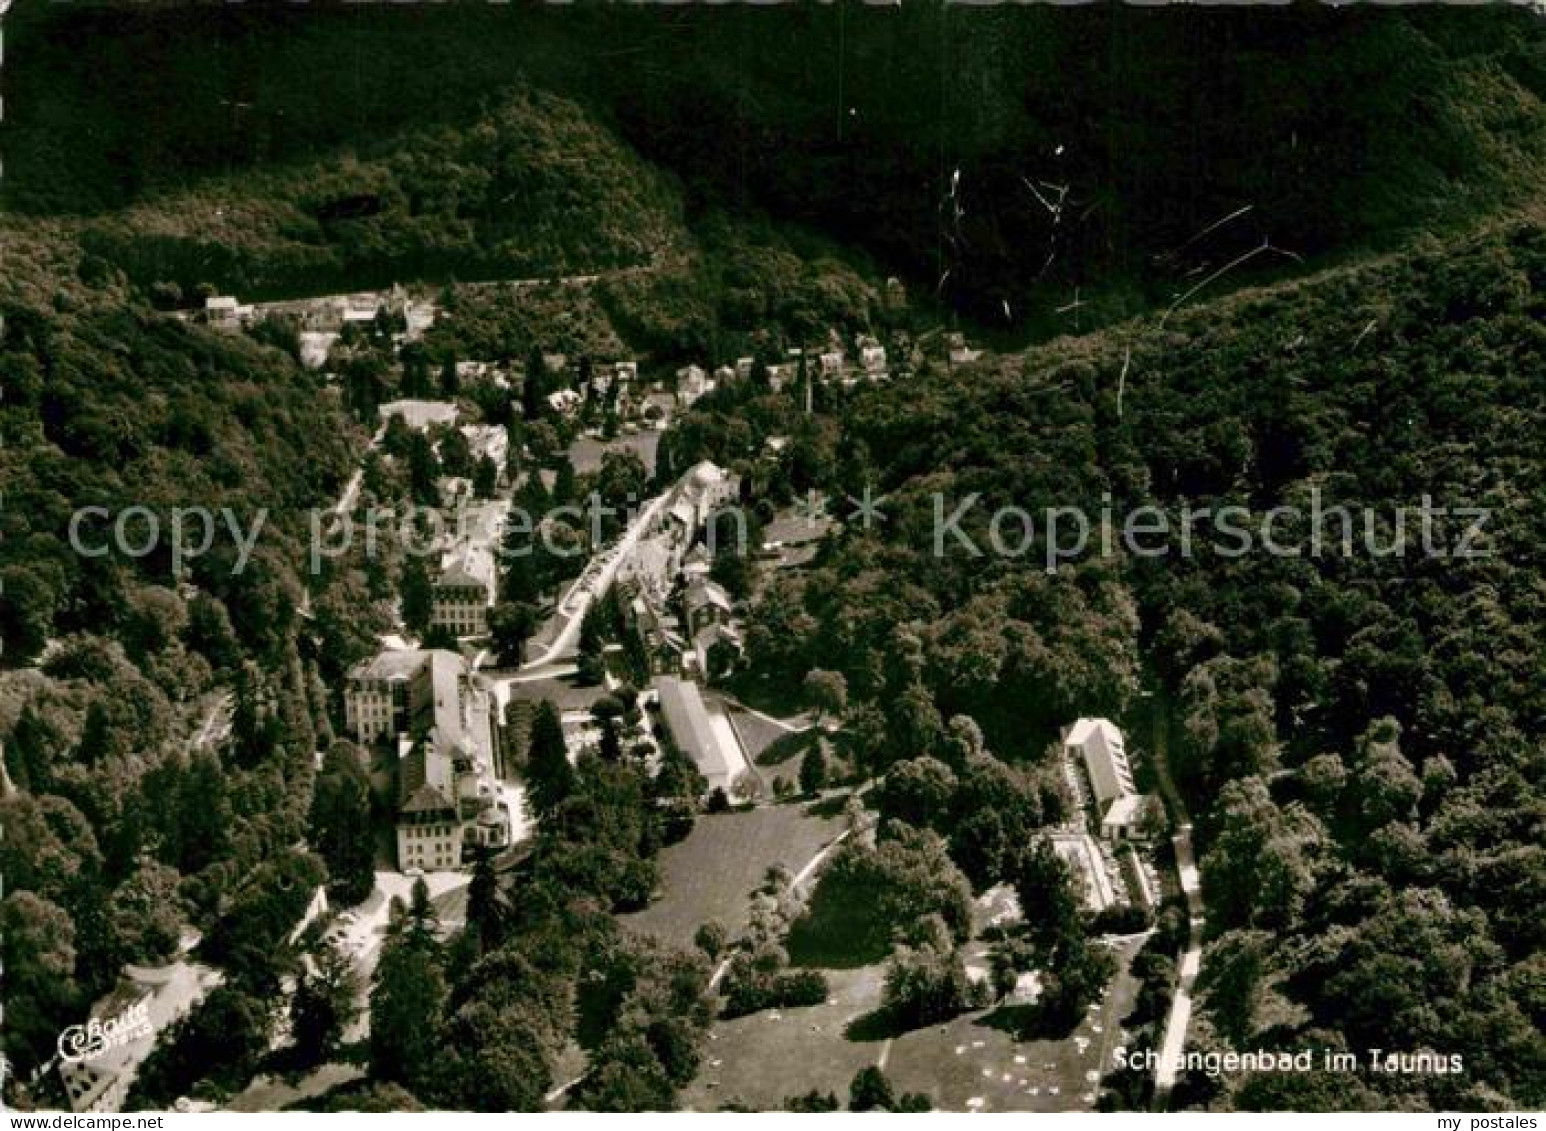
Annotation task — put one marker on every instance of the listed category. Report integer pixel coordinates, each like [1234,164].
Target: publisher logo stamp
[84,1042]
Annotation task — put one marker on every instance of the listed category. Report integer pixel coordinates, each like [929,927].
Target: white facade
[1099,744]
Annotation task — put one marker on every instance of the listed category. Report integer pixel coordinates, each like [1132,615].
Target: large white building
[442,715]
[1098,743]
[419,415]
[105,1054]
[465,590]
[697,734]
[376,694]
[1123,811]
[705,488]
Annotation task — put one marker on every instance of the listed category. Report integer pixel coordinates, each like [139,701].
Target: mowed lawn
[968,1064]
[760,1060]
[757,732]
[712,873]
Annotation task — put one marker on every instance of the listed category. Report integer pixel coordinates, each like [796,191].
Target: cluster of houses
[321,321]
[679,612]
[440,719]
[616,382]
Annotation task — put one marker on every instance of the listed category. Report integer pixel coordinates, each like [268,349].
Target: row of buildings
[467,583]
[678,611]
[321,321]
[829,362]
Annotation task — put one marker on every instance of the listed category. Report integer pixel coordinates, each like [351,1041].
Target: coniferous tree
[325,1004]
[485,477]
[341,827]
[813,768]
[534,386]
[511,625]
[564,482]
[611,742]
[488,911]
[405,1005]
[520,584]
[549,776]
[423,470]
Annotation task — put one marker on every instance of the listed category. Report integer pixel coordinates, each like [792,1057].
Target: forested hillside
[532,187]
[1002,156]
[1305,256]
[125,829]
[1359,733]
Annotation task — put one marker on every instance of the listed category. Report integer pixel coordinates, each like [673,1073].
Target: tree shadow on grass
[841,930]
[779,698]
[883,1024]
[828,806]
[1029,1022]
[786,749]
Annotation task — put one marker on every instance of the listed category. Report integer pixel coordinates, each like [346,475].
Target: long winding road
[1180,1018]
[575,602]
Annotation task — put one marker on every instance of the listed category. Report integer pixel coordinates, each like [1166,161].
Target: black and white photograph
[902,556]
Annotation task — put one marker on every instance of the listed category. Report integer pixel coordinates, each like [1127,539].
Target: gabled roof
[469,567]
[425,780]
[447,669]
[688,720]
[704,473]
[1105,757]
[394,664]
[1083,729]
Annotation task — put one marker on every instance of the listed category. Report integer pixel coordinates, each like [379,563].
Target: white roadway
[575,602]
[1191,962]
[1173,1042]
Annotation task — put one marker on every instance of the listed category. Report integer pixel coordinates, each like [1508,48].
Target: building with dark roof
[442,714]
